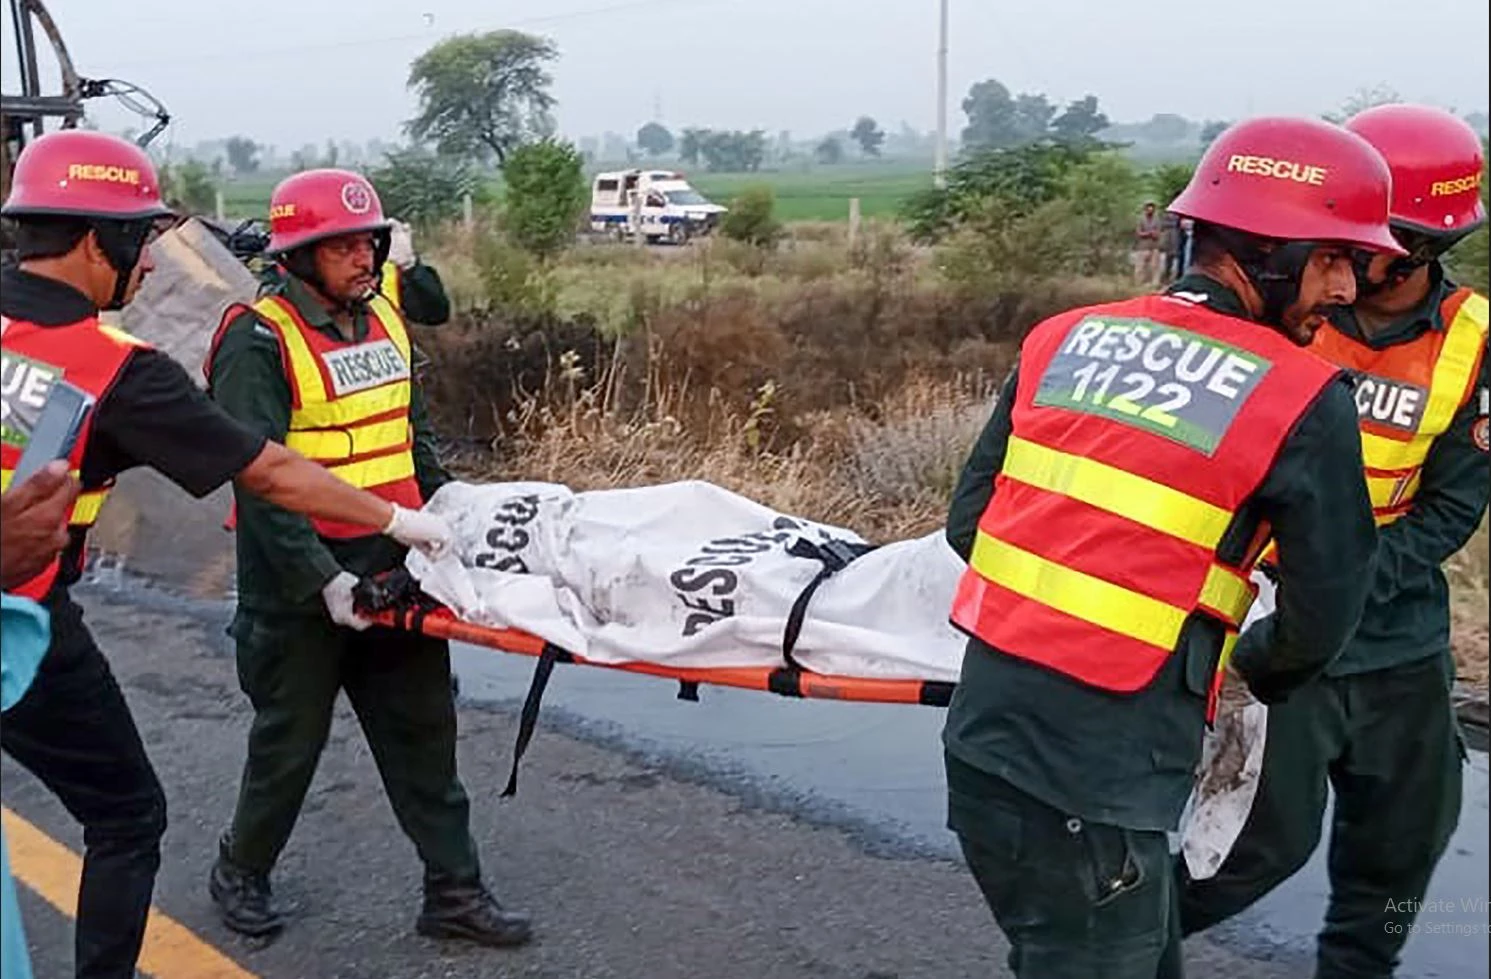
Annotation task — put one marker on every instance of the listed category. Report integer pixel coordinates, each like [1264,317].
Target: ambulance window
[608,186]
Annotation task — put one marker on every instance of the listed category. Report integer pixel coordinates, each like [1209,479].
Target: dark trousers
[291,668]
[1389,744]
[1076,899]
[74,732]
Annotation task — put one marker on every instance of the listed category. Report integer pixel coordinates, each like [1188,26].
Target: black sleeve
[976,484]
[155,416]
[423,295]
[1316,500]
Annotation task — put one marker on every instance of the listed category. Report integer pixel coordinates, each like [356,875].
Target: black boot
[464,909]
[243,898]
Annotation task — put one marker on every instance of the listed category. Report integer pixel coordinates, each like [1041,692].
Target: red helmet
[84,174]
[319,204]
[1437,166]
[1294,180]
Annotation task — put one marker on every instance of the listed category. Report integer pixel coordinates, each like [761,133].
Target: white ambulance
[660,202]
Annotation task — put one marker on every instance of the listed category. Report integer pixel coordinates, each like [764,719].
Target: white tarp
[691,575]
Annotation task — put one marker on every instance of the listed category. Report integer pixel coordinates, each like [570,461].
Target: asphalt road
[633,870]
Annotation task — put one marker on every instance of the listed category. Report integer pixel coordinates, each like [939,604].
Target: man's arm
[1448,507]
[1316,501]
[429,471]
[423,295]
[33,523]
[976,484]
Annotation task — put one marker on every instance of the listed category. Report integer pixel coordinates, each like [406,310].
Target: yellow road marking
[52,871]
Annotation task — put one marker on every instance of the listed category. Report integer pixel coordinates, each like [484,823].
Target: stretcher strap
[835,556]
[528,719]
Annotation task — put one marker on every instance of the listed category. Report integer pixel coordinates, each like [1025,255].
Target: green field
[819,194]
[822,194]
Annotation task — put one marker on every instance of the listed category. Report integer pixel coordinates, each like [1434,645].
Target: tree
[751,218]
[868,135]
[188,188]
[1167,180]
[1166,127]
[1033,114]
[483,94]
[422,188]
[1363,99]
[1007,183]
[243,154]
[991,117]
[546,196]
[1080,121]
[1479,121]
[829,152]
[691,146]
[1211,130]
[655,139]
[733,151]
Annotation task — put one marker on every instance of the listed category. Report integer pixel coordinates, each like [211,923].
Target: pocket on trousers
[1114,868]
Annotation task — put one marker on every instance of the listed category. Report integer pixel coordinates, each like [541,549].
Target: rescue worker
[1379,726]
[324,364]
[1137,460]
[85,207]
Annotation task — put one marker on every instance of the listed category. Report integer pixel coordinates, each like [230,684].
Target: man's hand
[338,598]
[425,532]
[401,245]
[33,523]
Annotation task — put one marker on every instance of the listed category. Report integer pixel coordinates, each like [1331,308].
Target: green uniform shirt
[282,562]
[1408,613]
[1128,759]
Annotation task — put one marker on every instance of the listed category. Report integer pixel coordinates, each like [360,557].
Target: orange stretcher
[787,680]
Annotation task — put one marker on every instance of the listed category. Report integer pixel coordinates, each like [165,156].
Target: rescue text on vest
[1166,380]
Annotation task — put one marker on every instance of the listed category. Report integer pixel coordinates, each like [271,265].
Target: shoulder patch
[1480,433]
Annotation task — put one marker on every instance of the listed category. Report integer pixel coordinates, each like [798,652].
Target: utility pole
[939,167]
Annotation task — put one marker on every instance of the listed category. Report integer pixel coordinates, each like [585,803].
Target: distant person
[1169,248]
[1379,726]
[1134,466]
[1147,247]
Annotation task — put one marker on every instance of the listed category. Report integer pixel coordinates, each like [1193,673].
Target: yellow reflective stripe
[1229,643]
[351,409]
[1384,490]
[375,472]
[305,369]
[1457,358]
[1383,519]
[84,509]
[393,322]
[114,333]
[1227,592]
[1381,452]
[389,284]
[1077,594]
[355,440]
[1117,491]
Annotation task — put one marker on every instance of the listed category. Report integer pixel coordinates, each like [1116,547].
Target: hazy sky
[290,73]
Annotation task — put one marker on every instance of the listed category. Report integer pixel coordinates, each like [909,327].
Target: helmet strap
[122,242]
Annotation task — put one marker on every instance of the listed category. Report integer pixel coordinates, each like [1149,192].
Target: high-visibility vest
[349,402]
[1138,430]
[1407,395]
[391,285]
[88,355]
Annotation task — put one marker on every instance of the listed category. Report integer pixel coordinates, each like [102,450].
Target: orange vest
[1138,430]
[349,402]
[1407,395]
[90,356]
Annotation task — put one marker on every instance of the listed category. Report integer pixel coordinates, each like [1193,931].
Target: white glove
[425,532]
[338,598]
[401,245]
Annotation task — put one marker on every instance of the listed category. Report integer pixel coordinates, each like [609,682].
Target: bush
[752,218]
[423,188]
[189,188]
[546,197]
